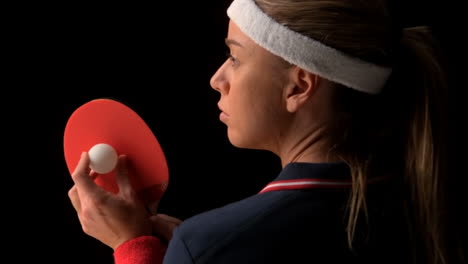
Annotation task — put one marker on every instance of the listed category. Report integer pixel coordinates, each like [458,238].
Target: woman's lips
[223,116]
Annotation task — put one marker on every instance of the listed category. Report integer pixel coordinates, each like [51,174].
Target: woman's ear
[301,87]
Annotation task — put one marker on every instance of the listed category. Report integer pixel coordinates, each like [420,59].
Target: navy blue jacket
[292,226]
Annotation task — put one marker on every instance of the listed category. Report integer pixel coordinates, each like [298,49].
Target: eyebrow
[232,42]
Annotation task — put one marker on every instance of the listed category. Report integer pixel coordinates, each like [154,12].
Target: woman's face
[251,85]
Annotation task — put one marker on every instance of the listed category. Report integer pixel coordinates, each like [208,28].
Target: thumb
[164,225]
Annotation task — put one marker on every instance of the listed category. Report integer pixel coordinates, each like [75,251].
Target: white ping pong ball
[103,158]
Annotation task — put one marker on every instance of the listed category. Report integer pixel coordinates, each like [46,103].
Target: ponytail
[420,64]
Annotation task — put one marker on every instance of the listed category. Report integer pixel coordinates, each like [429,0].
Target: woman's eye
[231,58]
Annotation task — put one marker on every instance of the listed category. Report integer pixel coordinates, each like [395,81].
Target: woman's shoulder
[232,216]
[255,223]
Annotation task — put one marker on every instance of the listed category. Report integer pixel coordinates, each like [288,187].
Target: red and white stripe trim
[305,184]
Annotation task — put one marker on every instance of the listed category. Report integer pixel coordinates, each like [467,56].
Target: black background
[157,59]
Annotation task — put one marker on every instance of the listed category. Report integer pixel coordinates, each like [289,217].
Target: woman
[353,106]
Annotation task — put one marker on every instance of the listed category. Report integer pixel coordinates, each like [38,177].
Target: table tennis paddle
[109,122]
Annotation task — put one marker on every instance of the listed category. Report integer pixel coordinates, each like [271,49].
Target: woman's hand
[164,225]
[110,218]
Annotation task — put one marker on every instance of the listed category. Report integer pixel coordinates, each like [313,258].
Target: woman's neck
[309,145]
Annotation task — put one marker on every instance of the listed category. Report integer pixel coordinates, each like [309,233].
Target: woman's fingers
[122,177]
[83,182]
[75,199]
[164,225]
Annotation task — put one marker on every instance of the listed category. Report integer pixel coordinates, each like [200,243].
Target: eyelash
[230,57]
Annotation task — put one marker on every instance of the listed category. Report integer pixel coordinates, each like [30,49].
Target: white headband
[305,52]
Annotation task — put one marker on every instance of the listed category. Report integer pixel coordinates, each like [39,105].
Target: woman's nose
[218,81]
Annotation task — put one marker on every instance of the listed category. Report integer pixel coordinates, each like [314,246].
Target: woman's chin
[243,142]
[237,141]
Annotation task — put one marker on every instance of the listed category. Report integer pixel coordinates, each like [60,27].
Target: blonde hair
[405,126]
